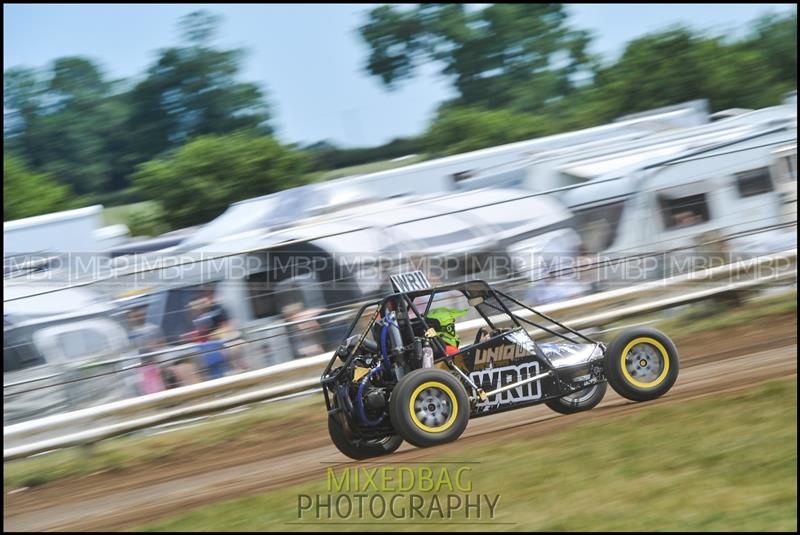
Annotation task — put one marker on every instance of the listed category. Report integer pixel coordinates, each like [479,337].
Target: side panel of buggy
[525,373]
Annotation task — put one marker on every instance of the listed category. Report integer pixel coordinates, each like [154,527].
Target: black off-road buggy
[403,378]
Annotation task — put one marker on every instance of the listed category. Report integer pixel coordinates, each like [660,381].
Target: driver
[446,329]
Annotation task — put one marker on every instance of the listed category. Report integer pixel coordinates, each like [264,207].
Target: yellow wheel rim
[644,362]
[435,403]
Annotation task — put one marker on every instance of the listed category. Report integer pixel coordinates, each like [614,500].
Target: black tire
[357,448]
[444,417]
[582,400]
[652,375]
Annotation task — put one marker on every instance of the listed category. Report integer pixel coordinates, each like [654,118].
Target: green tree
[462,129]
[678,65]
[67,121]
[191,91]
[774,39]
[22,99]
[517,56]
[27,193]
[199,180]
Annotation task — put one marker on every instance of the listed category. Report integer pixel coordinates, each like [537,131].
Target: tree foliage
[198,181]
[27,193]
[680,64]
[502,56]
[192,91]
[663,68]
[89,133]
[462,129]
[67,122]
[327,156]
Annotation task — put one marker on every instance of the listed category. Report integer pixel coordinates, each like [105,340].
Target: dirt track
[710,364]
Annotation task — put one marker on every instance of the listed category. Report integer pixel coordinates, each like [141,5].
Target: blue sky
[309,58]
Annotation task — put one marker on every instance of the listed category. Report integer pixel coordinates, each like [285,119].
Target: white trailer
[70,231]
[578,164]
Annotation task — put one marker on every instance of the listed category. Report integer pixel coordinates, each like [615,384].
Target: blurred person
[585,274]
[221,328]
[185,372]
[557,274]
[143,335]
[147,338]
[306,335]
[225,330]
[151,376]
[211,354]
[686,219]
[168,376]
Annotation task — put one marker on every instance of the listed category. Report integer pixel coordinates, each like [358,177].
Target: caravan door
[784,175]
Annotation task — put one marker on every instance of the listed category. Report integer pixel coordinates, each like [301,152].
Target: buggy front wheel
[429,407]
[641,364]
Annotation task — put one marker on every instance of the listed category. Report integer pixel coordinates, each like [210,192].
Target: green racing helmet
[446,317]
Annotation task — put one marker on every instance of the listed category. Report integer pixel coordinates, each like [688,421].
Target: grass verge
[714,315]
[727,462]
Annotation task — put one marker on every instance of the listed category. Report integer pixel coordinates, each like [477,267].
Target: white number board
[410,282]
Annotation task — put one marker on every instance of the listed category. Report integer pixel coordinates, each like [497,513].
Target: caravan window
[786,168]
[271,298]
[598,225]
[83,343]
[753,182]
[260,295]
[19,356]
[679,212]
[791,167]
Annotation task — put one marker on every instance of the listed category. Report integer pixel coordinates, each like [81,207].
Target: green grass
[363,169]
[114,215]
[712,315]
[727,462]
[137,450]
[144,218]
[715,315]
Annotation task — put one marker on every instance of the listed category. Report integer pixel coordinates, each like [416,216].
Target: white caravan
[53,344]
[737,197]
[71,231]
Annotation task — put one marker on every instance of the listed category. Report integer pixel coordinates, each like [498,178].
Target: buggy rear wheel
[359,448]
[429,407]
[582,400]
[641,364]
